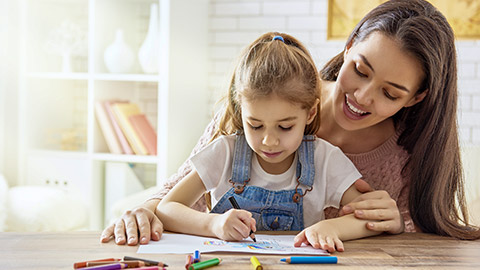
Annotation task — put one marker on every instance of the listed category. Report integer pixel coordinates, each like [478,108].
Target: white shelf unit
[60,140]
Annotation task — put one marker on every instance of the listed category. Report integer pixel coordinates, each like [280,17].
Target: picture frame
[463,16]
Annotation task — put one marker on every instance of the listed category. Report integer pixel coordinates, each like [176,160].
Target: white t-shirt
[334,174]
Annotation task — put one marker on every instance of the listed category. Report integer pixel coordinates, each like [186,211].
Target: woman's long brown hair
[436,199]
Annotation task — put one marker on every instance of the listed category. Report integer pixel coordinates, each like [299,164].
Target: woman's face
[376,80]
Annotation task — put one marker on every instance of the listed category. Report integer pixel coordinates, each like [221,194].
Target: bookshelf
[60,139]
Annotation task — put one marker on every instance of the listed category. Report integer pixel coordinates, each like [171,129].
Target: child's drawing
[266,244]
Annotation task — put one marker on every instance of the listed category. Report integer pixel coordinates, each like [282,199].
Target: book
[107,129]
[145,131]
[122,111]
[120,136]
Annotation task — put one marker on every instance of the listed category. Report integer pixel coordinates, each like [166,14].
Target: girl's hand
[320,235]
[375,205]
[126,230]
[233,225]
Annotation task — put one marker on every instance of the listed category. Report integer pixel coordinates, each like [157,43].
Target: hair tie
[278,38]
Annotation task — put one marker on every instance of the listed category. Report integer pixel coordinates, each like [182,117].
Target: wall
[8,86]
[3,71]
[234,24]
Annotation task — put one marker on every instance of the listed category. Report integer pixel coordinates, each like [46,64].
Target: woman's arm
[141,221]
[328,234]
[379,208]
[177,216]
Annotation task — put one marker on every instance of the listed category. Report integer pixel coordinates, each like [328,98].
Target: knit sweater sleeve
[382,169]
[186,167]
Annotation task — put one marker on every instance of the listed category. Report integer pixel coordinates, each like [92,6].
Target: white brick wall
[234,24]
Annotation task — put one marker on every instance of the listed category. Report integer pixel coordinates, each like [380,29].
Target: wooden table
[409,250]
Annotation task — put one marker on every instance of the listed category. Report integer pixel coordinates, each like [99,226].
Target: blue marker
[314,259]
[196,256]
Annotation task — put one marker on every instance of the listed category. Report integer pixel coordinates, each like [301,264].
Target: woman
[389,102]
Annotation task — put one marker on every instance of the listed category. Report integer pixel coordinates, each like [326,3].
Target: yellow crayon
[256,264]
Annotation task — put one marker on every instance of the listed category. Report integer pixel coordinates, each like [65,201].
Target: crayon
[84,264]
[128,264]
[236,206]
[112,266]
[204,264]
[196,256]
[148,268]
[188,261]
[313,259]
[146,261]
[256,264]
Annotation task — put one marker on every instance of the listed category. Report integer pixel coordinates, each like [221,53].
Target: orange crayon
[84,264]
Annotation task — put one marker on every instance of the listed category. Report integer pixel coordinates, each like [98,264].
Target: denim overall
[273,210]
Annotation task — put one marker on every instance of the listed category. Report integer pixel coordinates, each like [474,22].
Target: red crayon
[84,264]
[148,268]
[188,261]
[128,264]
[112,266]
[146,261]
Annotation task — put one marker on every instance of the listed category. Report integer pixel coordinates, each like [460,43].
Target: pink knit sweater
[381,168]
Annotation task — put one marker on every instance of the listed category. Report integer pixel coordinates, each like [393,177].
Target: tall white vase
[118,57]
[148,53]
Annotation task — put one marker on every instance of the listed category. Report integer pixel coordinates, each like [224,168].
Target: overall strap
[305,166]
[306,163]
[242,160]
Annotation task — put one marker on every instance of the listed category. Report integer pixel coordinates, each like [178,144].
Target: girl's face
[376,80]
[274,129]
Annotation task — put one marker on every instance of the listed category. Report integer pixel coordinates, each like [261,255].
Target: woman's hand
[322,235]
[375,205]
[233,225]
[141,220]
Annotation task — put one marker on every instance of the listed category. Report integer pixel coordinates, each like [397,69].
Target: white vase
[118,57]
[148,53]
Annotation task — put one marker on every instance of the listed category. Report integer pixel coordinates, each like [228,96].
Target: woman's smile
[352,111]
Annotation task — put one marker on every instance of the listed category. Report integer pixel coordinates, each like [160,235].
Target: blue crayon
[312,260]
[196,256]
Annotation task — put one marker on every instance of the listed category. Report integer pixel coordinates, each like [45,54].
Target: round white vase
[118,57]
[148,53]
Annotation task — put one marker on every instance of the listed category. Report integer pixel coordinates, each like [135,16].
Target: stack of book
[125,128]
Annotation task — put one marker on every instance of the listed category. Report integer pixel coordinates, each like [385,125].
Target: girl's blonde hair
[284,68]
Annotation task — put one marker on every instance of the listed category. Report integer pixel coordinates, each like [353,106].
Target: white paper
[266,244]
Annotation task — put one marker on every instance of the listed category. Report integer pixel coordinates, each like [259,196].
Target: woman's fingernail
[370,225]
[144,240]
[359,212]
[130,240]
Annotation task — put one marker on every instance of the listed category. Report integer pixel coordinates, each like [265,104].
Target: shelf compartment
[131,17]
[63,31]
[143,94]
[56,114]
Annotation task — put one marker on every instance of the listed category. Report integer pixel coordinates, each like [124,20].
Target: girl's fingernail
[370,225]
[359,212]
[144,240]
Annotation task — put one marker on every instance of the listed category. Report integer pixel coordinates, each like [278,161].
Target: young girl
[267,157]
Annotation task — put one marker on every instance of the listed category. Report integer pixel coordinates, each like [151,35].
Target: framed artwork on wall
[463,16]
